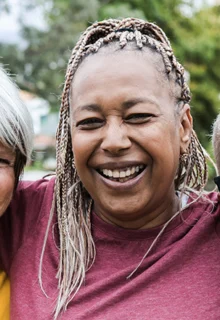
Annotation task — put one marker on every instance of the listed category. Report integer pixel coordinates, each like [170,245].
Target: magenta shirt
[179,280]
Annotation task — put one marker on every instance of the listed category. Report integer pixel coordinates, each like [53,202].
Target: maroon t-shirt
[179,280]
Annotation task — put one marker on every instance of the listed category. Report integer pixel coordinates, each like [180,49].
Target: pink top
[180,279]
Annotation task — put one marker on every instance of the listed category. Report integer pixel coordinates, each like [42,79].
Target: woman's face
[126,138]
[7,177]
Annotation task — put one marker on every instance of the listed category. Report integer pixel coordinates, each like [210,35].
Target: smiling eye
[138,118]
[4,163]
[90,123]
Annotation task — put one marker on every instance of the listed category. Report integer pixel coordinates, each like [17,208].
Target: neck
[146,220]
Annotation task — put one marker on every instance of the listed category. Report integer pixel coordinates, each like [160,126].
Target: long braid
[73,204]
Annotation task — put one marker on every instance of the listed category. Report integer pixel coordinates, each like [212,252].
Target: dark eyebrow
[88,107]
[93,107]
[132,102]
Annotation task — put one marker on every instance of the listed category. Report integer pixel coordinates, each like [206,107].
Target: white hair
[216,141]
[16,128]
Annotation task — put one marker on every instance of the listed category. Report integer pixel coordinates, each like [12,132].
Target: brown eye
[137,118]
[90,123]
[4,163]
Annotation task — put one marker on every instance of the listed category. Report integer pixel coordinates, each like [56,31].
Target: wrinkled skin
[122,115]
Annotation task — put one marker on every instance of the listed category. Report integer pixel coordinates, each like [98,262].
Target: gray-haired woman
[126,230]
[16,137]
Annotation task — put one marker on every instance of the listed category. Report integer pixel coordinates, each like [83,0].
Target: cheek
[161,142]
[82,147]
[159,138]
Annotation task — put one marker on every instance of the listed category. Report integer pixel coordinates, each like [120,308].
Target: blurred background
[37,36]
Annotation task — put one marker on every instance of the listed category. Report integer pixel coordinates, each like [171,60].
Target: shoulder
[208,202]
[30,196]
[31,204]
[34,187]
[214,199]
[30,190]
[31,201]
[210,198]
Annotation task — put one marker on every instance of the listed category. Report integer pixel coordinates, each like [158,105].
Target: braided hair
[73,204]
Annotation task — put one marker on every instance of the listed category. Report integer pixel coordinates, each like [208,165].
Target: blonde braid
[73,204]
[193,171]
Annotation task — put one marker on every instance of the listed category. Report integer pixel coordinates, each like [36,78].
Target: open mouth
[122,175]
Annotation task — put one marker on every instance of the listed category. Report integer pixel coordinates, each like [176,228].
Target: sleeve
[30,202]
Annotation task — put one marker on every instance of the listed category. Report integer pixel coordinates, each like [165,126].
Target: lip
[122,186]
[119,165]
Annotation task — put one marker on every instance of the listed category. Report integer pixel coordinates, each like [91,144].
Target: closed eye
[4,163]
[137,118]
[90,123]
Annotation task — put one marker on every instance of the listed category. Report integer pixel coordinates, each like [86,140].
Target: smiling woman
[122,133]
[126,230]
[16,135]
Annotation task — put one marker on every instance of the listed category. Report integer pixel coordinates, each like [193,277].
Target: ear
[186,125]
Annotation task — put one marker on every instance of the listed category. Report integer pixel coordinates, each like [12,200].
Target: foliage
[120,10]
[199,46]
[40,64]
[4,6]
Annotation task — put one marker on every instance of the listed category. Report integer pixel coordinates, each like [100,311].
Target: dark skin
[123,117]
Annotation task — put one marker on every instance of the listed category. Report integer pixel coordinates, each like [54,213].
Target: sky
[9,26]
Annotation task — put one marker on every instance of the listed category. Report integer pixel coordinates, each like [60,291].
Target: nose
[115,138]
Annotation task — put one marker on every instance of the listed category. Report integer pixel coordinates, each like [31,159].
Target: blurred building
[45,125]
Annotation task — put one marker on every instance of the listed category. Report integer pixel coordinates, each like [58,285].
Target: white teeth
[128,172]
[105,171]
[132,170]
[116,174]
[110,173]
[122,173]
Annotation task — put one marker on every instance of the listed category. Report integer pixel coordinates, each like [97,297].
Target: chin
[122,211]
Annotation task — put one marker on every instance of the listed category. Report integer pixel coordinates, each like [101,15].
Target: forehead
[112,56]
[120,73]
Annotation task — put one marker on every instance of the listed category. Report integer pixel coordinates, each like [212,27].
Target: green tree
[198,46]
[40,66]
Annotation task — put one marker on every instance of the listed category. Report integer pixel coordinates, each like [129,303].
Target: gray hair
[216,142]
[16,128]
